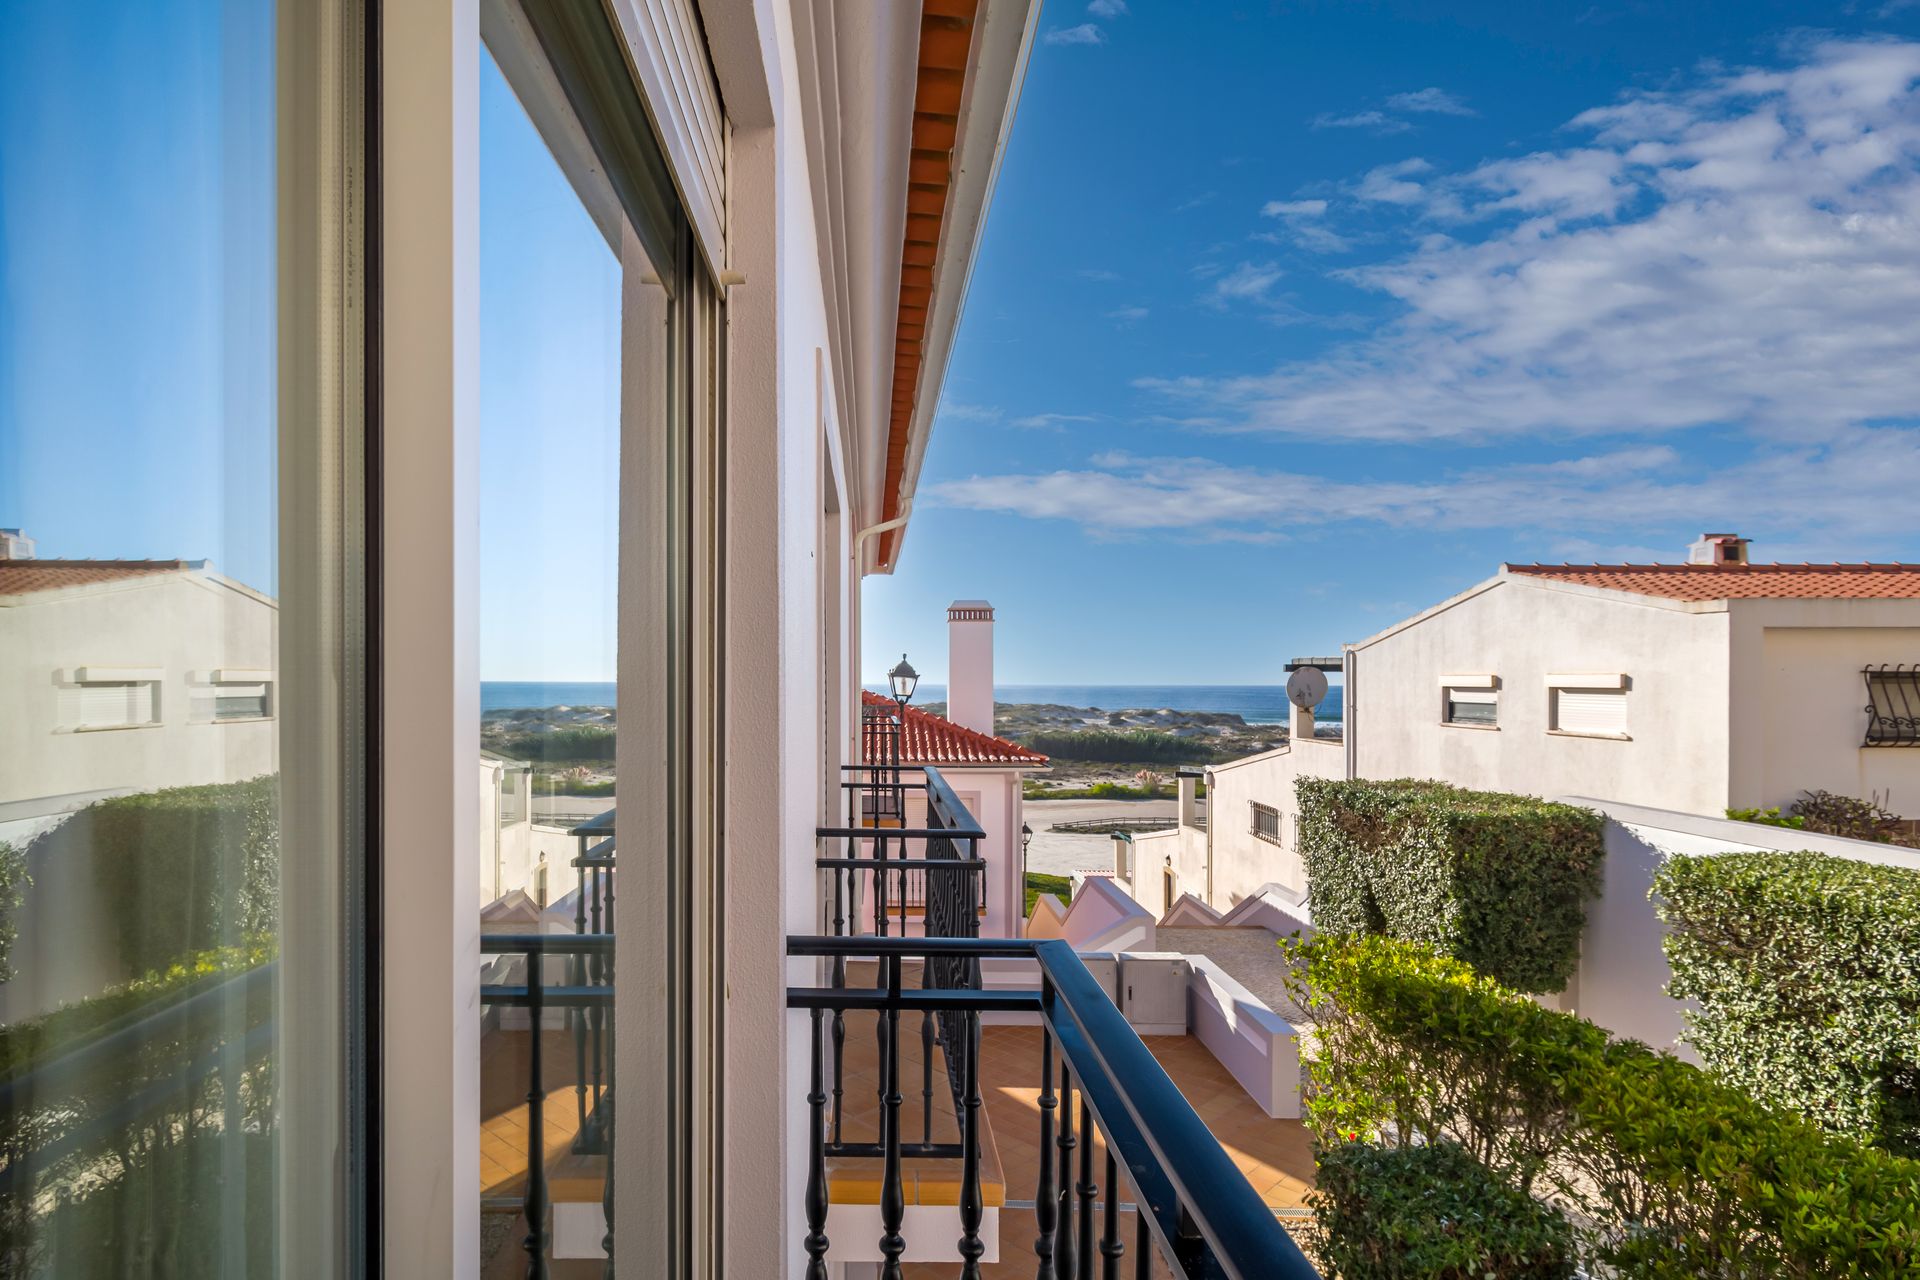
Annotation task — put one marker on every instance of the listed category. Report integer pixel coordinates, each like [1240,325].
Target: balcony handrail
[1199,1210]
[1241,1231]
[902,833]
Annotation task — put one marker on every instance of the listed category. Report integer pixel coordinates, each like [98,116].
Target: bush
[180,870]
[1769,817]
[1672,1172]
[1431,1212]
[581,744]
[13,887]
[1806,970]
[1499,881]
[1833,815]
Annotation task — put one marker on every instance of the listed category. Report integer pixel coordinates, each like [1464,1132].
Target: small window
[1599,713]
[242,701]
[1266,822]
[1893,706]
[1479,708]
[112,704]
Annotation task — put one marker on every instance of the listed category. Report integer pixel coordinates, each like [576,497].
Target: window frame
[1255,812]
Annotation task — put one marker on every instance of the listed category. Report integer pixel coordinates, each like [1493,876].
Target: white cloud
[1049,421]
[1085,33]
[969,412]
[1107,8]
[1378,121]
[1248,282]
[1302,219]
[1129,315]
[1743,253]
[1430,101]
[1293,208]
[1850,497]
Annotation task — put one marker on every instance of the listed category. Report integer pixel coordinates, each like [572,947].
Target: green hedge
[1806,970]
[1673,1172]
[1499,881]
[180,870]
[13,888]
[1431,1212]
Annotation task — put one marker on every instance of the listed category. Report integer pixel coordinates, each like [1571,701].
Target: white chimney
[970,664]
[15,545]
[1718,548]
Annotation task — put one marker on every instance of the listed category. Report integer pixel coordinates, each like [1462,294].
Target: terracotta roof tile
[934,740]
[23,577]
[1739,581]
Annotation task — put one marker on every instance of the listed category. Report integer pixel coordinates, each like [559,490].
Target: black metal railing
[587,993]
[1191,1207]
[1893,705]
[593,914]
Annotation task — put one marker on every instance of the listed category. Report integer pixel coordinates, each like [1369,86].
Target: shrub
[1499,881]
[1806,970]
[1770,817]
[1431,1212]
[1834,815]
[1673,1172]
[13,887]
[180,870]
[580,744]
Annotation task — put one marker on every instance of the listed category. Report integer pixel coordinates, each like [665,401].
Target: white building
[1692,688]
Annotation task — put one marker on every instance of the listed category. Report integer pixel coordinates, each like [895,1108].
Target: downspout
[860,538]
[1348,727]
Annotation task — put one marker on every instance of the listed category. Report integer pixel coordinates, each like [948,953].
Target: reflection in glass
[151,708]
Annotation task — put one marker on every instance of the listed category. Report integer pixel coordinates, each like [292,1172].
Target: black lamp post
[1026,837]
[903,678]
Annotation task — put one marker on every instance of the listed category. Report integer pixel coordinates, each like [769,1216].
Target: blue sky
[1291,320]
[1288,320]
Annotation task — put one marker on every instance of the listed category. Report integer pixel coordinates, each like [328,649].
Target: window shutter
[112,706]
[1590,711]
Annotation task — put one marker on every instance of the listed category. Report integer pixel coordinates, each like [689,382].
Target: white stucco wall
[185,625]
[1798,700]
[1243,861]
[1521,631]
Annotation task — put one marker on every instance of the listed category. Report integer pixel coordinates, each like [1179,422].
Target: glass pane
[552,293]
[173,844]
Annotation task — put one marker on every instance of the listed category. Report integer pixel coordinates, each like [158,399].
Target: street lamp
[903,678]
[1026,837]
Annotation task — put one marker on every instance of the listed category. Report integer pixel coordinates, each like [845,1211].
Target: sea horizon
[1254,703]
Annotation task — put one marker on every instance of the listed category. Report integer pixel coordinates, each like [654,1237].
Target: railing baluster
[1111,1247]
[534,1204]
[1142,1240]
[893,1203]
[816,1239]
[607,1126]
[1086,1188]
[1063,1259]
[971,1247]
[926,1070]
[1043,1208]
[577,970]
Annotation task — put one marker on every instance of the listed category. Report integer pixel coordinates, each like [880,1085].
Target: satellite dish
[1306,687]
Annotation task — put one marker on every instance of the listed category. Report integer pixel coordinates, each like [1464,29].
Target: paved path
[1058,853]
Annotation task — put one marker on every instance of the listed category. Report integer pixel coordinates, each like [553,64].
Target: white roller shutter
[1600,711]
[109,706]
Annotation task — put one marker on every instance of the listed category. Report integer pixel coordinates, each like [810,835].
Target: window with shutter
[1477,707]
[1598,712]
[1266,822]
[110,704]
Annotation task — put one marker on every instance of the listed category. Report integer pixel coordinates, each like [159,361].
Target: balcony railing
[1191,1207]
[881,874]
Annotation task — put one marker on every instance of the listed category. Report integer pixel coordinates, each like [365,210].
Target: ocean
[1254,703]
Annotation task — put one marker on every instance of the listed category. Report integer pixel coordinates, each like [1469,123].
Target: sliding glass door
[182,639]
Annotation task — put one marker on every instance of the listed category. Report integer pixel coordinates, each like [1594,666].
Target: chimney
[970,664]
[1718,548]
[15,545]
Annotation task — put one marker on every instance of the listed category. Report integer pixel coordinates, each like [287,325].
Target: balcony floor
[503,1148]
[1276,1156]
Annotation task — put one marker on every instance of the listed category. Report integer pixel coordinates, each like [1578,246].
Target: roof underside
[934,740]
[1738,581]
[946,43]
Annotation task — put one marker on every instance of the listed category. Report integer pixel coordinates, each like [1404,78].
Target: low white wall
[1255,1044]
[1622,977]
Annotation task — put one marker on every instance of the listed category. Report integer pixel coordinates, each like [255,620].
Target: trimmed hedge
[180,870]
[1806,970]
[1673,1172]
[13,887]
[1432,1212]
[1499,881]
